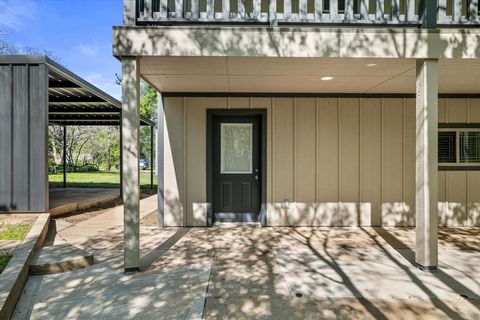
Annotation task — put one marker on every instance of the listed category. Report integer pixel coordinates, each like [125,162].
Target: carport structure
[36,92]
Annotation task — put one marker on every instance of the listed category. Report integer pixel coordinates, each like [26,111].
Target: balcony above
[302,12]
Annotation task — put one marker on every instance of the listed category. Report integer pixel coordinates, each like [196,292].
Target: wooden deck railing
[407,12]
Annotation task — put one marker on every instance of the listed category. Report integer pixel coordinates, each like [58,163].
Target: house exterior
[306,113]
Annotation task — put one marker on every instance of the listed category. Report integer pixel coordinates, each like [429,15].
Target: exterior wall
[338,161]
[23,137]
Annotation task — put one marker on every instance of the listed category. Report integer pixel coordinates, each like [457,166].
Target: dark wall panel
[5,137]
[23,138]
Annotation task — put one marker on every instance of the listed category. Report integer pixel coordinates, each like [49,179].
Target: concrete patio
[244,272]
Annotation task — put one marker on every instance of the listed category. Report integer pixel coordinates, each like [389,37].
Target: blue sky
[79,32]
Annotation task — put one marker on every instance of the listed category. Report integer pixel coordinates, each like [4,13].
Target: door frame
[262,113]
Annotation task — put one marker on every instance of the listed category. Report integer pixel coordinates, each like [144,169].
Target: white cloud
[105,83]
[87,49]
[14,14]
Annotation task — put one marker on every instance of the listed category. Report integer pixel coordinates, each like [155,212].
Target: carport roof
[73,100]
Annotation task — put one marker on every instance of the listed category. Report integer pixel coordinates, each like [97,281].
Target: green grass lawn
[16,231]
[97,179]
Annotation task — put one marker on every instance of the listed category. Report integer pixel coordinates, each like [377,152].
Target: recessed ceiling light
[326,78]
[371,65]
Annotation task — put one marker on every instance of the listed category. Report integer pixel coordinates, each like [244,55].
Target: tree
[8,47]
[77,137]
[104,147]
[148,107]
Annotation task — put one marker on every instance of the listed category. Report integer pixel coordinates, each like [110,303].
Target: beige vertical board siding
[174,179]
[456,110]
[349,147]
[442,111]
[196,129]
[322,154]
[409,134]
[370,160]
[283,166]
[456,195]
[266,103]
[327,161]
[473,204]
[442,196]
[474,110]
[239,103]
[305,161]
[392,148]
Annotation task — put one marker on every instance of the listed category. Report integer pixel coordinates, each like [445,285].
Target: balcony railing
[273,12]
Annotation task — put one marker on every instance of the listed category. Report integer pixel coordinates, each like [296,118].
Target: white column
[160,160]
[426,246]
[130,161]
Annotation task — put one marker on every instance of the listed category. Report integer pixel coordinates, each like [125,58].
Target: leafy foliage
[148,107]
[5,257]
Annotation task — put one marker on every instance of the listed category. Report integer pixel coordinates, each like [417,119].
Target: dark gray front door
[236,168]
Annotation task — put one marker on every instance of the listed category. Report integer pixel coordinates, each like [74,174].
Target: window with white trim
[459,147]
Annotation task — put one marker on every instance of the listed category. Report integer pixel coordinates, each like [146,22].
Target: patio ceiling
[74,101]
[303,75]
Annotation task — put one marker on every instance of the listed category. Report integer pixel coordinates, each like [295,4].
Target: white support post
[426,244]
[130,161]
[160,160]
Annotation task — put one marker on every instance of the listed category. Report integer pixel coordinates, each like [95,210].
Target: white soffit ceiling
[257,74]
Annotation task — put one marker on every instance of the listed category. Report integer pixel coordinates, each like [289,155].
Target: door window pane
[236,147]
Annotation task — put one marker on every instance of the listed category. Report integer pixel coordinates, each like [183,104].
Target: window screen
[470,147]
[446,147]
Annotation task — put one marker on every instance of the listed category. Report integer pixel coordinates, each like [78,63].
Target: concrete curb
[13,278]
[60,258]
[74,206]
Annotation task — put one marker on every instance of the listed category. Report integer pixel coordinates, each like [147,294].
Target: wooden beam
[87,109]
[74,99]
[87,117]
[62,84]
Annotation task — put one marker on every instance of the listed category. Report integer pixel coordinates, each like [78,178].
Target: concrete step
[60,258]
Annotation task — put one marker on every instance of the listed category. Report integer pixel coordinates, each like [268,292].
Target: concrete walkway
[245,272]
